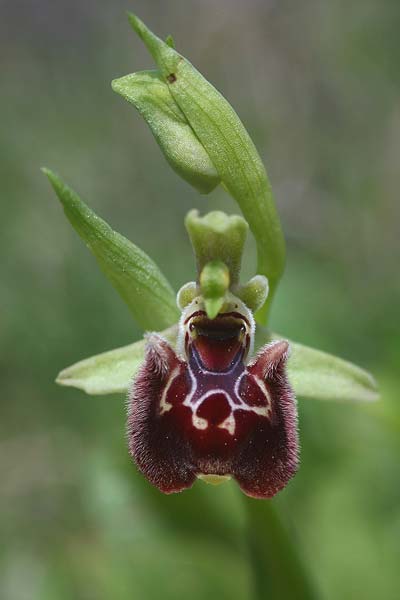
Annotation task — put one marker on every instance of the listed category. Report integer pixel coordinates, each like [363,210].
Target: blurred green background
[317,86]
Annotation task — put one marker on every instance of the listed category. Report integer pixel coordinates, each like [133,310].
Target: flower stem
[278,568]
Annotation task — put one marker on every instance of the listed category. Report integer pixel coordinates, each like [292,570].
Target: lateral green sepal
[313,374]
[318,375]
[110,372]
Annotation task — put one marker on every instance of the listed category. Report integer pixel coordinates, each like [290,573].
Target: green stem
[278,569]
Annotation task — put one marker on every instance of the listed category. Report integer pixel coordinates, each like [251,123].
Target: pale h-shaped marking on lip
[164,405]
[224,385]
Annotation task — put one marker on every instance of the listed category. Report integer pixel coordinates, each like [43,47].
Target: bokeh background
[317,85]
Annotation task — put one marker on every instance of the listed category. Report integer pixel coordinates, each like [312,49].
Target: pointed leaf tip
[162,52]
[169,40]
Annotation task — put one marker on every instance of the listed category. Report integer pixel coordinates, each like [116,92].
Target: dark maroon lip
[184,420]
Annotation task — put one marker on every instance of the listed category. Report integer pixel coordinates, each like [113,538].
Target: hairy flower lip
[185,421]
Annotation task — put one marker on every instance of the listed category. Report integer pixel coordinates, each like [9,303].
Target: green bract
[133,274]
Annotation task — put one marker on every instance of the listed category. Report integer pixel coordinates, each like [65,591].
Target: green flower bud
[150,95]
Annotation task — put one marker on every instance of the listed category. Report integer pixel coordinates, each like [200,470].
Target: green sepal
[110,372]
[214,283]
[317,375]
[217,236]
[150,95]
[313,374]
[230,149]
[321,376]
[134,275]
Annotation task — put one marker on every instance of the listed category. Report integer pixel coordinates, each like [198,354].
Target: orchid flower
[211,391]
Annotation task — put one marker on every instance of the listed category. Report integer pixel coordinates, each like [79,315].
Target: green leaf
[134,275]
[317,375]
[230,149]
[110,372]
[150,95]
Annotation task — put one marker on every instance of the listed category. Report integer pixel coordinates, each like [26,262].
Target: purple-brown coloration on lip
[211,414]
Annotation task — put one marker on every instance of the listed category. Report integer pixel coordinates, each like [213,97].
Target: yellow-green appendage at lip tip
[214,479]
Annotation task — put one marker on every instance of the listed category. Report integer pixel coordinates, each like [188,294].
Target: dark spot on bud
[171,78]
